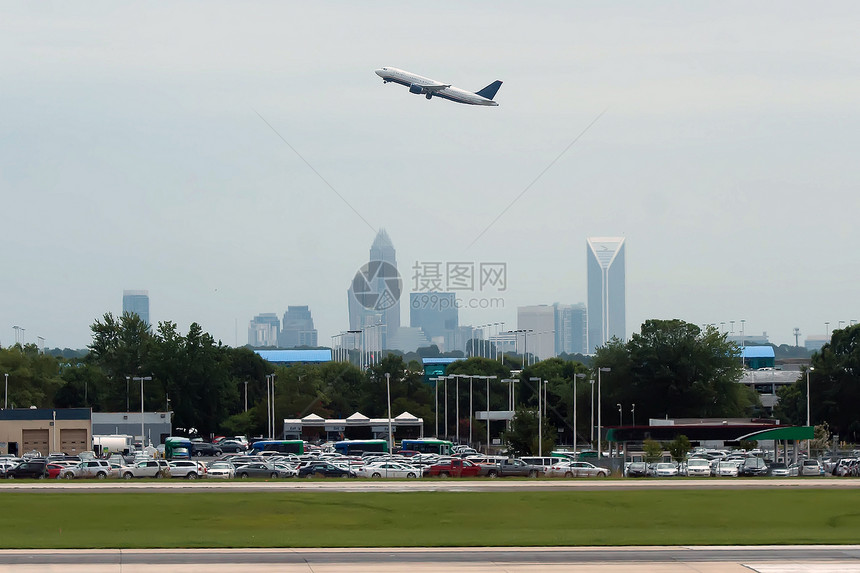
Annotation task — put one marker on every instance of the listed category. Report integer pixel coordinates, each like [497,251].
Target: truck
[105,445]
[453,468]
[509,468]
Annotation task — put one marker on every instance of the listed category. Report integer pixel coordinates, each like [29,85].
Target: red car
[54,470]
[453,468]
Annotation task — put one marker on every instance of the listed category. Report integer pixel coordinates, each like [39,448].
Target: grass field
[311,519]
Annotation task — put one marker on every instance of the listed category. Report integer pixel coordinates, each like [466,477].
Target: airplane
[431,88]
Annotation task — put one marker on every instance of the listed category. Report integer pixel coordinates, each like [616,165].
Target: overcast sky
[132,157]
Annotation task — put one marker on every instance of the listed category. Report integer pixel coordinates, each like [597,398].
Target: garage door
[73,441]
[35,440]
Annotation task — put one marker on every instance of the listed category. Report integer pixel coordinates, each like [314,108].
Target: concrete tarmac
[768,559]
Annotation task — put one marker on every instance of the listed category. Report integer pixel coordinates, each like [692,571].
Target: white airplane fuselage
[431,88]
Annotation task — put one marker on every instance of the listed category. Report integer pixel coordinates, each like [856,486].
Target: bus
[358,447]
[428,446]
[282,446]
[177,447]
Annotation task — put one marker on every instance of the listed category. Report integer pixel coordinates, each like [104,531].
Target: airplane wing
[435,87]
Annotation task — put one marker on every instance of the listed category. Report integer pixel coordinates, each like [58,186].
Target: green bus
[428,446]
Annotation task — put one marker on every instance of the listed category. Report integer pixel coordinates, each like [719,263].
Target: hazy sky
[132,157]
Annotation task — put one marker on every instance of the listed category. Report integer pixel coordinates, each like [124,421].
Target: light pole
[390,433]
[446,406]
[540,429]
[575,376]
[273,407]
[246,395]
[592,412]
[808,417]
[6,401]
[470,411]
[599,418]
[142,433]
[127,407]
[436,409]
[620,415]
[633,413]
[488,412]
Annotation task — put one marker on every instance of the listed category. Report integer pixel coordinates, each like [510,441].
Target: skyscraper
[136,302]
[297,328]
[436,314]
[606,290]
[571,336]
[374,294]
[263,330]
[539,321]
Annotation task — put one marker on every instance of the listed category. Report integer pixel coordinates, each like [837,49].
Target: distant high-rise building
[571,323]
[136,302]
[365,310]
[436,314]
[606,290]
[263,330]
[298,328]
[539,322]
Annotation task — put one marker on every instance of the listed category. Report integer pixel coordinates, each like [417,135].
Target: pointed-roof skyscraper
[377,302]
[606,290]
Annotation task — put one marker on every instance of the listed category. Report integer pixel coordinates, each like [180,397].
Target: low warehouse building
[45,430]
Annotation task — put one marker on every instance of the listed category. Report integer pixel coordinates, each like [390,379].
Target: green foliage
[522,438]
[835,384]
[653,450]
[34,378]
[748,445]
[673,368]
[678,448]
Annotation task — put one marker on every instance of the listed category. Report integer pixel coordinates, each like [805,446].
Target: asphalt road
[434,484]
[845,559]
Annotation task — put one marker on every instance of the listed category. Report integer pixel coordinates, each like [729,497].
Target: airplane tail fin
[489,92]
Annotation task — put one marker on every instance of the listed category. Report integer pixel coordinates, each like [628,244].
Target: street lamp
[6,401]
[808,417]
[540,429]
[575,376]
[599,409]
[592,412]
[633,413]
[127,407]
[488,378]
[388,390]
[620,415]
[142,433]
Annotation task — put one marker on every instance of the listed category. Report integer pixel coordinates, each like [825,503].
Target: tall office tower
[606,290]
[137,302]
[539,323]
[436,314]
[298,328]
[374,294]
[263,330]
[571,323]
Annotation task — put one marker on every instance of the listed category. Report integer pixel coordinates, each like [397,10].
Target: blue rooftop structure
[434,367]
[296,356]
[756,357]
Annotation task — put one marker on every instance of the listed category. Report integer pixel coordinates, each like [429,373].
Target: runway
[769,559]
[448,485]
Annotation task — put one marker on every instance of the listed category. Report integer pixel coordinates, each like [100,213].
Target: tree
[673,368]
[678,448]
[522,438]
[653,450]
[835,383]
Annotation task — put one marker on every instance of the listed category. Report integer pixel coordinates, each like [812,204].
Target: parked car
[325,470]
[512,467]
[637,469]
[205,449]
[388,470]
[569,468]
[223,470]
[543,463]
[230,446]
[34,468]
[753,467]
[187,469]
[666,469]
[258,469]
[779,469]
[453,468]
[89,469]
[54,470]
[727,468]
[698,467]
[147,468]
[811,468]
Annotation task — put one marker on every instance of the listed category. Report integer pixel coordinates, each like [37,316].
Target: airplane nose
[379,72]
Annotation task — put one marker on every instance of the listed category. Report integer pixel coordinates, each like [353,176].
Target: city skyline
[230,179]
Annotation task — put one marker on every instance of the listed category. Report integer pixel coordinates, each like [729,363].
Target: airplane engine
[416,89]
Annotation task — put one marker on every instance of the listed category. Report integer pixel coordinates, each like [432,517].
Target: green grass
[323,519]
